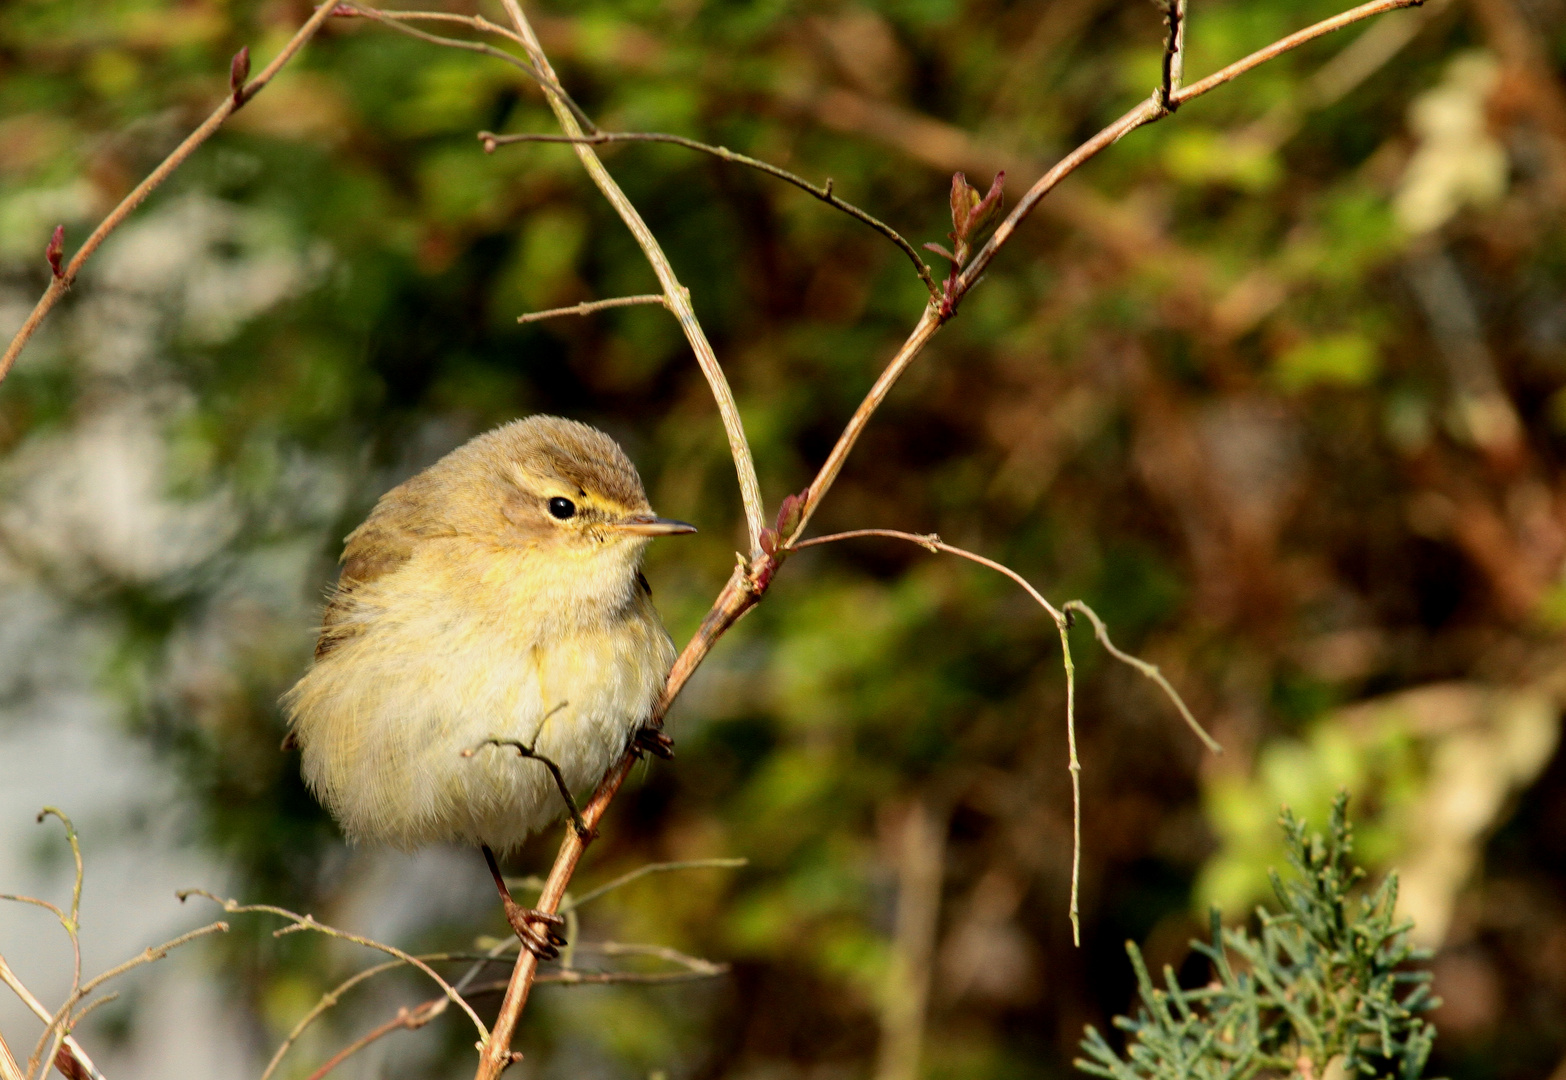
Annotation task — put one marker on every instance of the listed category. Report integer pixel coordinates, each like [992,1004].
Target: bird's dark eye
[561,508]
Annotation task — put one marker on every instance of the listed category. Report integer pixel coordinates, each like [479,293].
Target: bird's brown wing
[368,554]
[386,540]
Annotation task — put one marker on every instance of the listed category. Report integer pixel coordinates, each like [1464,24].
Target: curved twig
[677,296]
[651,868]
[751,578]
[1062,618]
[395,21]
[824,192]
[308,922]
[63,278]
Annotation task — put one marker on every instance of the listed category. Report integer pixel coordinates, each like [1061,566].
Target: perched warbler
[492,604]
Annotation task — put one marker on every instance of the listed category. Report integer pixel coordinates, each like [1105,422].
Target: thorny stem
[823,192]
[750,580]
[61,283]
[677,296]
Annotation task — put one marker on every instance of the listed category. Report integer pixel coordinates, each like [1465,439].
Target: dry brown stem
[677,296]
[752,577]
[61,283]
[9,1069]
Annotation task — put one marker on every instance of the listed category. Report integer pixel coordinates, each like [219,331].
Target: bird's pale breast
[461,644]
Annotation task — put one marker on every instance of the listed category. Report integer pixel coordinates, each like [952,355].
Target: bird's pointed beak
[649,525]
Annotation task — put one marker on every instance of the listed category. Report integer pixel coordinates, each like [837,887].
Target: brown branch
[587,307]
[410,1019]
[677,296]
[751,578]
[738,596]
[62,280]
[824,192]
[1174,56]
[1145,113]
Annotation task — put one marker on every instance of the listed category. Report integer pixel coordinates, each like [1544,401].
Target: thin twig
[587,307]
[73,926]
[58,1028]
[1146,112]
[232,101]
[677,296]
[823,192]
[8,977]
[474,22]
[1151,671]
[411,1019]
[651,868]
[524,750]
[308,922]
[394,20]
[751,578]
[1062,617]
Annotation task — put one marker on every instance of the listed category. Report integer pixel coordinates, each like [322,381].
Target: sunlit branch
[1146,112]
[676,295]
[61,282]
[751,578]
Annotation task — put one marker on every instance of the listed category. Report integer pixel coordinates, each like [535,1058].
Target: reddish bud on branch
[238,72]
[55,249]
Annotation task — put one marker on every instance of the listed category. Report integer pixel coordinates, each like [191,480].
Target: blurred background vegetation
[1277,385]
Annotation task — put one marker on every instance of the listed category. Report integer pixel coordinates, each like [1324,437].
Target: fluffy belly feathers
[383,719]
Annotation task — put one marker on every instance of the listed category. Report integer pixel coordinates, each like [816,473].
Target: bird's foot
[649,740]
[543,941]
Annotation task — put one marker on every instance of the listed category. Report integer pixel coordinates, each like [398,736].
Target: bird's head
[555,485]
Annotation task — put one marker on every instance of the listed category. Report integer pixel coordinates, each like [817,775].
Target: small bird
[491,606]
